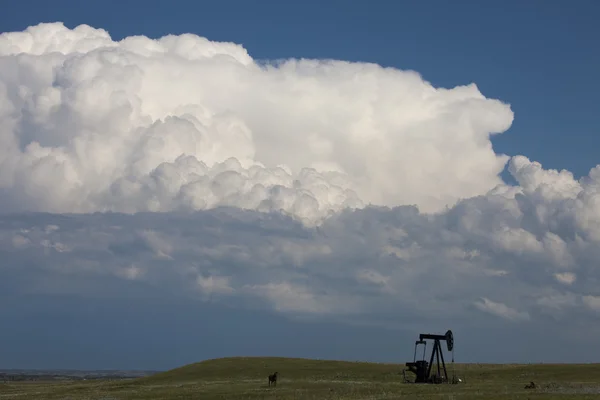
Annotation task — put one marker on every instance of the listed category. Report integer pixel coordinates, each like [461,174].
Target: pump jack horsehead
[423,369]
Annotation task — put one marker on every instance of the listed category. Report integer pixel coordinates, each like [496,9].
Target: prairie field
[246,378]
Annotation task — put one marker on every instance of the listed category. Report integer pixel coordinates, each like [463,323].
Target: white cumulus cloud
[181,122]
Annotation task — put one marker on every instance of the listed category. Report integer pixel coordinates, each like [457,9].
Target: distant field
[246,378]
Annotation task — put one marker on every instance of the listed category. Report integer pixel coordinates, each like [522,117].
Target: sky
[323,180]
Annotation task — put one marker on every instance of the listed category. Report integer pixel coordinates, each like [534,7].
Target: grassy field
[246,378]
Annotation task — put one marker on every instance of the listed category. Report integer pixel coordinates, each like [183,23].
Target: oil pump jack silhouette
[422,368]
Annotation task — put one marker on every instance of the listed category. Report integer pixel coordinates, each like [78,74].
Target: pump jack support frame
[438,353]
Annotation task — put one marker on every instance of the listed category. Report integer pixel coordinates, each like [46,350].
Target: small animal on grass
[273,379]
[531,385]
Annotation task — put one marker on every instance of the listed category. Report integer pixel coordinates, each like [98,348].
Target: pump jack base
[433,379]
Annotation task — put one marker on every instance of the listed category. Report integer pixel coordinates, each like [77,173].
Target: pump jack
[422,368]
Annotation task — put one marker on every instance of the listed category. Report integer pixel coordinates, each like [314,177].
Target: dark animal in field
[273,379]
[531,385]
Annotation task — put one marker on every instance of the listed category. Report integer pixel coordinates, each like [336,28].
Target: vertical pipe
[415,356]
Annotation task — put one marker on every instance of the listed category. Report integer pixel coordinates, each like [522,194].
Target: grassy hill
[246,378]
[258,368]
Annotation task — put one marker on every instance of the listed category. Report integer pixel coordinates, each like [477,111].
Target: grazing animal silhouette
[273,379]
[531,385]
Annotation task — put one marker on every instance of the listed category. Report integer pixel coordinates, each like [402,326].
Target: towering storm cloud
[92,124]
[319,188]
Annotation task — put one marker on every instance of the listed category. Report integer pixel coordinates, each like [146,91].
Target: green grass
[246,378]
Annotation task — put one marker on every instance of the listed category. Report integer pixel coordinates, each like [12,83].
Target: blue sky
[158,290]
